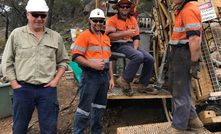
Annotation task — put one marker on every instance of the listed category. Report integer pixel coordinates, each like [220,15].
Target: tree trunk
[6,28]
[49,21]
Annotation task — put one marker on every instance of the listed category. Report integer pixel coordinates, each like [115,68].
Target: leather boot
[195,123]
[148,90]
[125,86]
[171,130]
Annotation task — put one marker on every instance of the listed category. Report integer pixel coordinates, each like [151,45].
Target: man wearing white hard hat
[33,61]
[123,30]
[92,53]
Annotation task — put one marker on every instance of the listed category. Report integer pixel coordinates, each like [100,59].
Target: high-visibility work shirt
[116,24]
[32,60]
[92,48]
[188,21]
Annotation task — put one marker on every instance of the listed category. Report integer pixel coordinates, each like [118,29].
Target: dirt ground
[119,113]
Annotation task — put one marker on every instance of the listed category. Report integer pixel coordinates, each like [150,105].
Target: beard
[124,13]
[97,28]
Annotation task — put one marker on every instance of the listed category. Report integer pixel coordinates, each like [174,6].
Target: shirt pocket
[94,49]
[49,51]
[107,49]
[107,43]
[25,51]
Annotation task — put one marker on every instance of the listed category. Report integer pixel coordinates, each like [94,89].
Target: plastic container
[76,69]
[6,93]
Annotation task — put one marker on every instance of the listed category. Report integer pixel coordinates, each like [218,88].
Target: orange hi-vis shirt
[91,48]
[116,24]
[188,21]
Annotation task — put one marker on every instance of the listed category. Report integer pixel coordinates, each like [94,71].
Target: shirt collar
[186,1]
[119,16]
[28,30]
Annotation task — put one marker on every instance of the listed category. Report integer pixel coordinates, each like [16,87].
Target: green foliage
[145,6]
[17,14]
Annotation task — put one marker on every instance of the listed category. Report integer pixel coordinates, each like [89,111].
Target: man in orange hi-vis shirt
[92,53]
[183,65]
[123,30]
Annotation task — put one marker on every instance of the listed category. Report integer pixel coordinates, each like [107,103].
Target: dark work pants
[24,101]
[93,100]
[180,86]
[137,57]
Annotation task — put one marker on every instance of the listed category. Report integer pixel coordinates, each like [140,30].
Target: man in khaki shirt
[33,61]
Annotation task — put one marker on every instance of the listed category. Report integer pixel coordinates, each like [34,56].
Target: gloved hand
[195,68]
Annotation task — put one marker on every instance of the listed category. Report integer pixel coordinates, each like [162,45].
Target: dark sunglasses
[35,15]
[96,21]
[124,7]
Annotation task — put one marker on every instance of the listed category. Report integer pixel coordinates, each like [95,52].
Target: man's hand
[15,84]
[99,65]
[130,32]
[194,69]
[111,86]
[52,83]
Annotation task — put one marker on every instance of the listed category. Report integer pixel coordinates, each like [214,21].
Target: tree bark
[50,13]
[6,28]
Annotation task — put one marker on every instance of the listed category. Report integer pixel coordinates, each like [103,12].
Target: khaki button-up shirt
[34,61]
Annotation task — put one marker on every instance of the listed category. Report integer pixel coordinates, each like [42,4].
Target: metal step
[116,93]
[155,129]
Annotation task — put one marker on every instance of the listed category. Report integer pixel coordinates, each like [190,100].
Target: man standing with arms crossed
[123,30]
[183,65]
[92,53]
[33,61]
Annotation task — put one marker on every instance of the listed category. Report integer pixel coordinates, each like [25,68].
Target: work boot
[148,90]
[194,123]
[171,130]
[125,86]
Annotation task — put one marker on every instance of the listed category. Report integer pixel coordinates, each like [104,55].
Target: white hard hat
[97,13]
[37,6]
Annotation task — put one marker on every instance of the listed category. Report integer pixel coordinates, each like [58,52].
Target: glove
[195,68]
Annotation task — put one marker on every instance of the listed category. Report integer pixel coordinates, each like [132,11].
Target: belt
[181,45]
[25,83]
[102,72]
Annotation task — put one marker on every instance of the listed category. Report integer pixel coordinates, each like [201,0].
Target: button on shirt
[32,60]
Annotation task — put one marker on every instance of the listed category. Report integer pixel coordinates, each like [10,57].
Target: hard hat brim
[115,7]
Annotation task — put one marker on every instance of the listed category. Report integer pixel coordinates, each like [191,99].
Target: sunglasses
[96,21]
[35,15]
[124,7]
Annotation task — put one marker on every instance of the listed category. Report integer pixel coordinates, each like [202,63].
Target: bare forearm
[117,36]
[83,62]
[59,74]
[136,44]
[195,49]
[111,71]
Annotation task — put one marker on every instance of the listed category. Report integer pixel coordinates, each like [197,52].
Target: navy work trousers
[137,57]
[93,98]
[24,101]
[180,86]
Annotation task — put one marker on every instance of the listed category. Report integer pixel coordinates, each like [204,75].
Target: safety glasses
[124,7]
[96,21]
[35,15]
